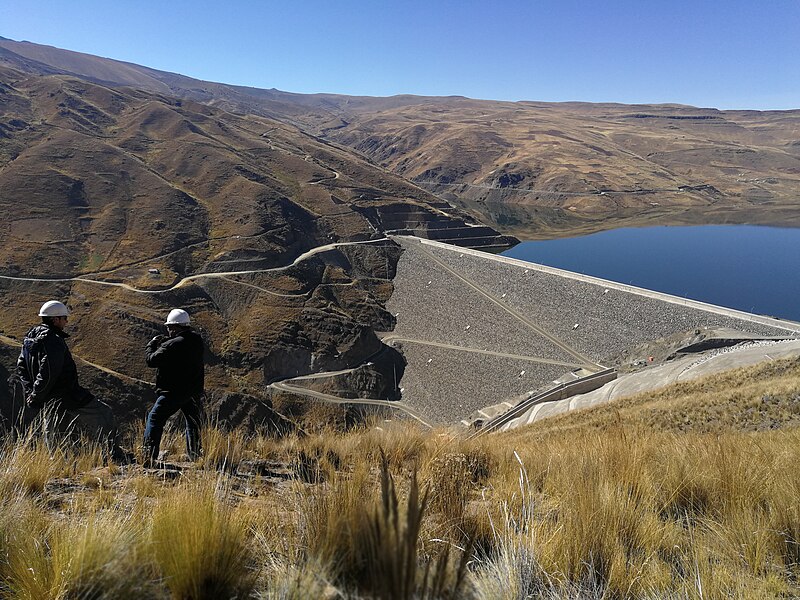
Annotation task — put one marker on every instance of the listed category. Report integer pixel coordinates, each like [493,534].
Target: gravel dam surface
[478,329]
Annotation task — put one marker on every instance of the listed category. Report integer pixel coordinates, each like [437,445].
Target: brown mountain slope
[593,161]
[531,167]
[106,184]
[313,111]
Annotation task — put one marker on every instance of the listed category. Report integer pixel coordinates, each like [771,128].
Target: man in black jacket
[179,383]
[50,381]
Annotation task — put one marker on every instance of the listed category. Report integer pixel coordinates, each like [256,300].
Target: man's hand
[158,340]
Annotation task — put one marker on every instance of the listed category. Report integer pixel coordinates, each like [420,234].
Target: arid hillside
[125,202]
[579,164]
[534,169]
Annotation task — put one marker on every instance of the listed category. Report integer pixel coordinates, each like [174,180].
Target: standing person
[49,379]
[178,357]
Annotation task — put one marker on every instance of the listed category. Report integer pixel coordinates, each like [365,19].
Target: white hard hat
[53,308]
[177,316]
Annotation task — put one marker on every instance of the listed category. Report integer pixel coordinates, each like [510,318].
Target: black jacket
[179,361]
[48,371]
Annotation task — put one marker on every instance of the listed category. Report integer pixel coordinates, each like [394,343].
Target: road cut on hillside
[182,282]
[286,386]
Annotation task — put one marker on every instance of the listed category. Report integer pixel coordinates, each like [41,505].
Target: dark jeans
[167,405]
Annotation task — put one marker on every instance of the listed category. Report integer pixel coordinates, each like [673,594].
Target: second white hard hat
[177,316]
[53,308]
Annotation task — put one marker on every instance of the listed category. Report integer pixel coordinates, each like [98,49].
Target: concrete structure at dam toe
[479,330]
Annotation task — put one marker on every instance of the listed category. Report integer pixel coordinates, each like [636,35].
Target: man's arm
[159,351]
[22,371]
[51,362]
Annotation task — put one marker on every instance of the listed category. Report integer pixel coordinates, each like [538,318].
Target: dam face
[479,329]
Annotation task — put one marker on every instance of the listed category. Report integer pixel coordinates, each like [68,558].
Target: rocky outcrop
[231,410]
[376,379]
[318,343]
[514,175]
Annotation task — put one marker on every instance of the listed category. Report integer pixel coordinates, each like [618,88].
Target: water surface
[750,268]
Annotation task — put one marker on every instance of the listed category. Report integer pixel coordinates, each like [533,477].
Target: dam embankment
[478,329]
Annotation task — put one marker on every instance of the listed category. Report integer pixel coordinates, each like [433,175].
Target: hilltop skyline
[742,57]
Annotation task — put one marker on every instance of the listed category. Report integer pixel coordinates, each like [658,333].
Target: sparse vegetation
[611,503]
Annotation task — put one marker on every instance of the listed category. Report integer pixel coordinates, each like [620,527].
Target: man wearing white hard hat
[178,357]
[50,380]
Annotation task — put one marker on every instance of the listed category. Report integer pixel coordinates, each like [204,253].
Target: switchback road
[190,278]
[294,389]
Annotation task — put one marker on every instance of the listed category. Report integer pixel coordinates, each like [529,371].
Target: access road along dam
[484,333]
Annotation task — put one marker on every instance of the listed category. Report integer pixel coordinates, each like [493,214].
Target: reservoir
[750,268]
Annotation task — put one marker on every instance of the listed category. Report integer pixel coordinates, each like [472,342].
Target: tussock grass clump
[20,518]
[371,543]
[27,466]
[287,571]
[99,558]
[392,547]
[332,521]
[601,526]
[29,462]
[222,449]
[200,544]
[292,582]
[402,443]
[450,485]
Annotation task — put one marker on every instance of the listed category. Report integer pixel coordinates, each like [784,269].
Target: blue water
[750,268]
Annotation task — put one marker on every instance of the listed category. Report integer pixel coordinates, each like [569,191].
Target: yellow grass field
[688,492]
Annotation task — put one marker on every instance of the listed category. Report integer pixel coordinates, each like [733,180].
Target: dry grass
[95,558]
[222,449]
[201,545]
[627,516]
[603,504]
[28,463]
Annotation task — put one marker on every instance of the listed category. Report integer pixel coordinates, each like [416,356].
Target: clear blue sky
[725,54]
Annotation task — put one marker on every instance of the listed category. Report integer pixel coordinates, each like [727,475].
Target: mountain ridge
[578,166]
